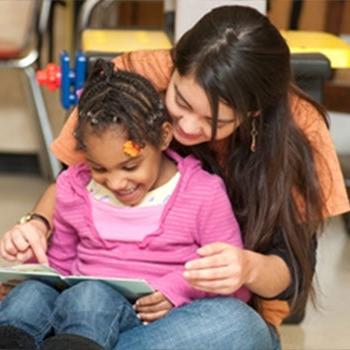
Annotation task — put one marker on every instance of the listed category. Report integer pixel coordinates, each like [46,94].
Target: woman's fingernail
[145,323]
[138,316]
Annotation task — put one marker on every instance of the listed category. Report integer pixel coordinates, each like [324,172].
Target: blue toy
[69,80]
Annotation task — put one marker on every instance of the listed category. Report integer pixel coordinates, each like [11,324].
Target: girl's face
[190,110]
[129,178]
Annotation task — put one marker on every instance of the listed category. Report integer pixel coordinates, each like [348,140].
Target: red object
[50,76]
[9,49]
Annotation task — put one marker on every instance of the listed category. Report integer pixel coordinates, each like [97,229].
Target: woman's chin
[187,141]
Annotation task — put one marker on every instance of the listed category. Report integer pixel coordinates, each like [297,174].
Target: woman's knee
[236,324]
[213,323]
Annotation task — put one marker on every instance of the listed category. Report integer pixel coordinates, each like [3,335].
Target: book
[132,289]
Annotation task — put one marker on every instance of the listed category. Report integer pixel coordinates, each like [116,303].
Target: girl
[228,88]
[130,211]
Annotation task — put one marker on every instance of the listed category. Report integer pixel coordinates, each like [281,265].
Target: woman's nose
[190,124]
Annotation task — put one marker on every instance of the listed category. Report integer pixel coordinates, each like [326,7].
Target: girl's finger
[5,255]
[10,247]
[37,244]
[151,299]
[24,256]
[163,305]
[149,317]
[19,241]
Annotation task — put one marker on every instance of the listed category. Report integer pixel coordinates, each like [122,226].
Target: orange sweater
[157,66]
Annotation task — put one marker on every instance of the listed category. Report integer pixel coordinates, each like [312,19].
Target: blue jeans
[96,311]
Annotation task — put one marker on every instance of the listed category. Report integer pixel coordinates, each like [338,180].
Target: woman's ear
[167,135]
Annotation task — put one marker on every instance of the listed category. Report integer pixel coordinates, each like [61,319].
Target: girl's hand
[222,269]
[152,307]
[25,241]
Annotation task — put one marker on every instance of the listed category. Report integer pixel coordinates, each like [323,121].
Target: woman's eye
[180,103]
[221,123]
[209,120]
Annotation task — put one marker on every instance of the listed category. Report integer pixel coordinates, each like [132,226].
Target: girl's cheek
[98,178]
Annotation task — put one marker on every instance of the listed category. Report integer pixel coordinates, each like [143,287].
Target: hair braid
[114,97]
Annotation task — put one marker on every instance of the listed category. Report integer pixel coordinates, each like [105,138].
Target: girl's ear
[167,135]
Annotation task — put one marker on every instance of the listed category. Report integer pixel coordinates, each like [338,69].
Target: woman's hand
[152,307]
[25,241]
[222,269]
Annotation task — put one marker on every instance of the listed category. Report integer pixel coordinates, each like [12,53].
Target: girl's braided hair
[118,98]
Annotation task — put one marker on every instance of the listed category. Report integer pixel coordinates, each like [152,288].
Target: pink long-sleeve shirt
[197,213]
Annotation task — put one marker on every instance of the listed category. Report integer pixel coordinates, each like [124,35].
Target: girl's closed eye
[97,169]
[130,167]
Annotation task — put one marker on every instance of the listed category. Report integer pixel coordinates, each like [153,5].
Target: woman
[229,92]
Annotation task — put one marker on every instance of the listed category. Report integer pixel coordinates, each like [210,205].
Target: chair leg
[54,166]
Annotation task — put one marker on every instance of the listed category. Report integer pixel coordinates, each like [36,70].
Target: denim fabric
[93,310]
[222,323]
[29,307]
[90,309]
[96,311]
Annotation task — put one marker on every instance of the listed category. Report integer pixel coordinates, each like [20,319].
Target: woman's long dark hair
[238,57]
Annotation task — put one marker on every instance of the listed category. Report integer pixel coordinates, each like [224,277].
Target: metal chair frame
[26,61]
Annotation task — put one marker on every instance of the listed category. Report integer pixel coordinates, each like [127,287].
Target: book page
[29,268]
[132,289]
[12,275]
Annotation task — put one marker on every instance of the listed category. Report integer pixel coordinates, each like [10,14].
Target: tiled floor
[327,328]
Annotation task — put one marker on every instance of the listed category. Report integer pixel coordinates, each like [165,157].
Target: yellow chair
[117,41]
[329,45]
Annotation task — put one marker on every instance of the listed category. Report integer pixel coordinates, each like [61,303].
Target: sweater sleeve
[176,289]
[156,66]
[216,223]
[62,250]
[216,220]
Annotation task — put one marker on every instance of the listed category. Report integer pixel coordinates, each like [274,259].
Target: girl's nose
[116,183]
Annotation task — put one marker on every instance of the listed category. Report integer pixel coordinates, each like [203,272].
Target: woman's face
[190,110]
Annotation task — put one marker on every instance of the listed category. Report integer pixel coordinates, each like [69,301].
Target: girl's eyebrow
[91,161]
[120,164]
[178,93]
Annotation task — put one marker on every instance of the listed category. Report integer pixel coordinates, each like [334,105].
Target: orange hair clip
[131,148]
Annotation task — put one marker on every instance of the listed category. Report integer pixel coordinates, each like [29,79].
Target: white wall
[188,12]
